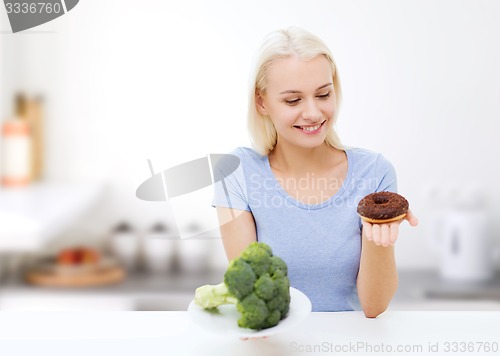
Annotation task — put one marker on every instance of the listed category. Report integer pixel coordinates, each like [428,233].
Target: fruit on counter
[257,282]
[78,256]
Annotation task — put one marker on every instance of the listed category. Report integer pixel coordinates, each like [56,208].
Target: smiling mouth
[309,128]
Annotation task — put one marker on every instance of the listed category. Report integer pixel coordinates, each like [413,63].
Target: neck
[299,160]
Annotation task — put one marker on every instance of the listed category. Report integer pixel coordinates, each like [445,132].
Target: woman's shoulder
[364,153]
[241,157]
[367,158]
[247,154]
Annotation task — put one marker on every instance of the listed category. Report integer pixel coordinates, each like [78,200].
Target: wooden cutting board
[86,278]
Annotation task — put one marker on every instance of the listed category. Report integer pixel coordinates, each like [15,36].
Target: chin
[312,143]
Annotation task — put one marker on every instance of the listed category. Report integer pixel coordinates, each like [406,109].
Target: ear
[259,103]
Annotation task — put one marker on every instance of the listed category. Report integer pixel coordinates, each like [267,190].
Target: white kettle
[462,233]
[465,246]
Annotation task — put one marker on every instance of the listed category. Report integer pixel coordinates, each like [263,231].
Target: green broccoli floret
[257,282]
[281,301]
[278,267]
[253,311]
[239,278]
[273,319]
[265,287]
[258,256]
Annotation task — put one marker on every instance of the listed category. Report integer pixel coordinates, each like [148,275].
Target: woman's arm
[237,228]
[377,277]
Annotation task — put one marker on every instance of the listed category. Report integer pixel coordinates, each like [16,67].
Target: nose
[311,111]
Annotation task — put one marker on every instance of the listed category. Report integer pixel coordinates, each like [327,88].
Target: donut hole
[379,200]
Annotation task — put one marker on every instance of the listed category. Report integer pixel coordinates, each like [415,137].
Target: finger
[394,233]
[376,234]
[385,234]
[253,338]
[367,229]
[412,219]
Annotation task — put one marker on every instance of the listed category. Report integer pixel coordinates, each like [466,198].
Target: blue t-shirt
[321,243]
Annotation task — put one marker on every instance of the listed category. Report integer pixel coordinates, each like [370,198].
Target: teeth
[311,128]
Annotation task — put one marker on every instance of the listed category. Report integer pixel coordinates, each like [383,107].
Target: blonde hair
[278,45]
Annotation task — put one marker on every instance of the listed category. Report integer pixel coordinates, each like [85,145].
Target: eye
[292,102]
[324,96]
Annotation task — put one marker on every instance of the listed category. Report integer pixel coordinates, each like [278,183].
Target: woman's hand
[253,338]
[387,234]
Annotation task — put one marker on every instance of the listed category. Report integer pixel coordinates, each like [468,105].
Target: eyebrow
[298,91]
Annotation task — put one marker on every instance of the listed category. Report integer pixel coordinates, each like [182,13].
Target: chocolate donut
[382,207]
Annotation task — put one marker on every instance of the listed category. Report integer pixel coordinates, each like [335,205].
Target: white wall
[129,80]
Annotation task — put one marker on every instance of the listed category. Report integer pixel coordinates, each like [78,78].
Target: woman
[298,189]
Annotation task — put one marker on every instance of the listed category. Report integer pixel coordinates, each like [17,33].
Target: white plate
[224,321]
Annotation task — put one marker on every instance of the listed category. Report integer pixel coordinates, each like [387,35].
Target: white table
[172,333]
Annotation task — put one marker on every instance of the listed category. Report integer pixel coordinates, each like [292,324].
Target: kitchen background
[112,84]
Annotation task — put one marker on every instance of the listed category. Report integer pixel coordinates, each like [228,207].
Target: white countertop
[172,333]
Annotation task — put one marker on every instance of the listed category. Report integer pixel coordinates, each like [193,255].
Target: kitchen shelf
[31,216]
[426,290]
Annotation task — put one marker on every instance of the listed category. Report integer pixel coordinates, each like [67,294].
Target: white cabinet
[31,216]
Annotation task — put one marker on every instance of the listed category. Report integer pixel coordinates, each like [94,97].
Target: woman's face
[300,100]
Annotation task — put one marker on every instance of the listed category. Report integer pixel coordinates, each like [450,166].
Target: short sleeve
[387,175]
[230,189]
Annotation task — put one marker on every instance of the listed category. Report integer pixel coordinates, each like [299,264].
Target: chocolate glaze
[382,206]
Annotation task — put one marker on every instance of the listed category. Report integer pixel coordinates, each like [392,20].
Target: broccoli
[257,282]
